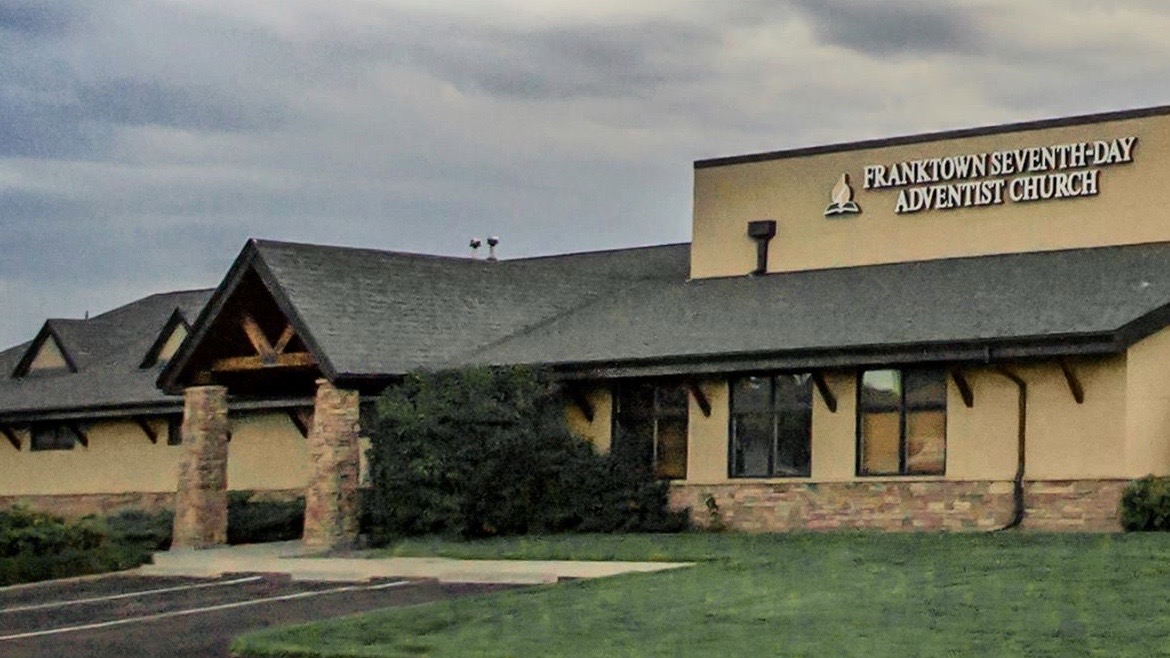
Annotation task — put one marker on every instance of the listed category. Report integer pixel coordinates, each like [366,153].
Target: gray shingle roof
[379,313]
[981,300]
[107,350]
[384,313]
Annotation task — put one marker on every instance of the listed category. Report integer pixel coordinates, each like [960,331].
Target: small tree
[485,451]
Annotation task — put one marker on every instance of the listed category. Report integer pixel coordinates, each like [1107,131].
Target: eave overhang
[972,352]
[128,412]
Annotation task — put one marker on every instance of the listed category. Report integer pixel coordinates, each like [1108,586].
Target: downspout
[1022,433]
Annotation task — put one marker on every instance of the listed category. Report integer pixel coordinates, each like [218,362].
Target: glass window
[51,436]
[650,426]
[902,422]
[771,426]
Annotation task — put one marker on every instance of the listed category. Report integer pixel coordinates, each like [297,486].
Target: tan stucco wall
[982,441]
[795,191]
[707,436]
[119,459]
[266,452]
[1067,440]
[834,434]
[1148,406]
[599,431]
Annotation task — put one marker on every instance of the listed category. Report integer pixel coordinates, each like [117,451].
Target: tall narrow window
[771,426]
[650,426]
[902,422]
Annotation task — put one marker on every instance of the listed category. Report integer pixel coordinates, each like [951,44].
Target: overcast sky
[142,142]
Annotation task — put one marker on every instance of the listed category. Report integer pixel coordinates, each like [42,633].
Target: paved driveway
[175,617]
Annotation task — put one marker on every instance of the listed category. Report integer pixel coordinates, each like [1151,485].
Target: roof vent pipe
[762,231]
[475,244]
[492,242]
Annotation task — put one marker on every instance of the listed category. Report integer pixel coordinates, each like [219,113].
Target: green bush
[1145,504]
[150,530]
[37,546]
[252,521]
[24,531]
[483,452]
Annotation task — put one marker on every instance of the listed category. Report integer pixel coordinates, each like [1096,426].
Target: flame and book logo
[843,203]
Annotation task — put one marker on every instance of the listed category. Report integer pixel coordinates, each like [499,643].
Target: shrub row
[37,546]
[250,521]
[483,452]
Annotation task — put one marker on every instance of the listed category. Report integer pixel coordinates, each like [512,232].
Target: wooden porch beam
[1074,383]
[825,392]
[146,428]
[10,434]
[700,398]
[257,338]
[964,386]
[303,419]
[285,337]
[78,433]
[285,360]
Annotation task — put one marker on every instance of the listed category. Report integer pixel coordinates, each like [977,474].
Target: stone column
[201,500]
[331,499]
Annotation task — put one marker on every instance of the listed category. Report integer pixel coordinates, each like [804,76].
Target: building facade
[953,331]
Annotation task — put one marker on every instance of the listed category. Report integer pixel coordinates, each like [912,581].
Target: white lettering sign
[1038,173]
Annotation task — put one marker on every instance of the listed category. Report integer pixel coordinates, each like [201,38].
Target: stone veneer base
[105,504]
[77,505]
[942,505]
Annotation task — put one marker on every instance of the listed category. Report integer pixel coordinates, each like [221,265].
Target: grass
[871,595]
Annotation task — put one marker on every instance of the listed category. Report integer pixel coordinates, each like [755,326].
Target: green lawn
[871,595]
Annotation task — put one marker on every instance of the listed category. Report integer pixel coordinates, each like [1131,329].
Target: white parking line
[196,611]
[128,595]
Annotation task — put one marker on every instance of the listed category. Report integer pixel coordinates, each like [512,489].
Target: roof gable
[46,352]
[168,341]
[248,326]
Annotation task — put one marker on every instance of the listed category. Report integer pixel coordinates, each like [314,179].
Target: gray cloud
[893,27]
[36,19]
[568,62]
[152,102]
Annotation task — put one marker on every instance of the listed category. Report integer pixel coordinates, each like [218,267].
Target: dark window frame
[774,411]
[903,410]
[51,437]
[656,415]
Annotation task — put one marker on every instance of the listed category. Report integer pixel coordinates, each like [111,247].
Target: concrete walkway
[291,558]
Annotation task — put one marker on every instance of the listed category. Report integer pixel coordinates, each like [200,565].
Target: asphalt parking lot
[125,615]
